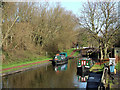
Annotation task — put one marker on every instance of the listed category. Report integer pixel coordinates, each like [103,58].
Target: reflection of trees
[25,79]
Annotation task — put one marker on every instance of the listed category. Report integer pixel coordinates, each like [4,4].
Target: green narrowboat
[60,58]
[84,63]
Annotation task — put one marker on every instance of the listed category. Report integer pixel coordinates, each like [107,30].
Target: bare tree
[41,28]
[100,19]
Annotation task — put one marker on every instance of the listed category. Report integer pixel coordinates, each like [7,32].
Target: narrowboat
[84,64]
[60,58]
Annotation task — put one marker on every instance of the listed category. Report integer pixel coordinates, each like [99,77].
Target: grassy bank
[19,58]
[118,66]
[4,66]
[96,67]
[18,63]
[113,83]
[69,51]
[76,53]
[18,68]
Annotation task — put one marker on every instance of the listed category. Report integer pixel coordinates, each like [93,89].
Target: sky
[75,7]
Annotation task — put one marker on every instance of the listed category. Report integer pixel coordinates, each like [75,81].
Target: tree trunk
[6,44]
[101,51]
[11,39]
[105,51]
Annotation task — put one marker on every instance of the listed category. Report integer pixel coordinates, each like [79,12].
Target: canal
[48,76]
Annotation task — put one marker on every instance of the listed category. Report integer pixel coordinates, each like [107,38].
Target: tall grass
[118,66]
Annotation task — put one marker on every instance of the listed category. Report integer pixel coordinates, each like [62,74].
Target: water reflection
[43,77]
[61,67]
[0,82]
[81,79]
[28,79]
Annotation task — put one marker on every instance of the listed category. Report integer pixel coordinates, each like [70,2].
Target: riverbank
[22,66]
[17,70]
[116,82]
[96,67]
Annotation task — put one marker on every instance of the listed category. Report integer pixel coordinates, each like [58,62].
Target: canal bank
[115,83]
[25,68]
[108,80]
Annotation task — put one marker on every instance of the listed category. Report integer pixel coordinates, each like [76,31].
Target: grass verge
[14,69]
[97,67]
[69,51]
[118,66]
[17,63]
[76,53]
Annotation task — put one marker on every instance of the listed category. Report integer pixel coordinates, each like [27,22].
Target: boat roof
[63,53]
[85,58]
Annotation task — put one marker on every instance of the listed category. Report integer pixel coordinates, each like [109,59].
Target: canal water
[49,76]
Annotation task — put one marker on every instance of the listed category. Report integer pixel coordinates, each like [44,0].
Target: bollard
[112,68]
[112,64]
[115,71]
